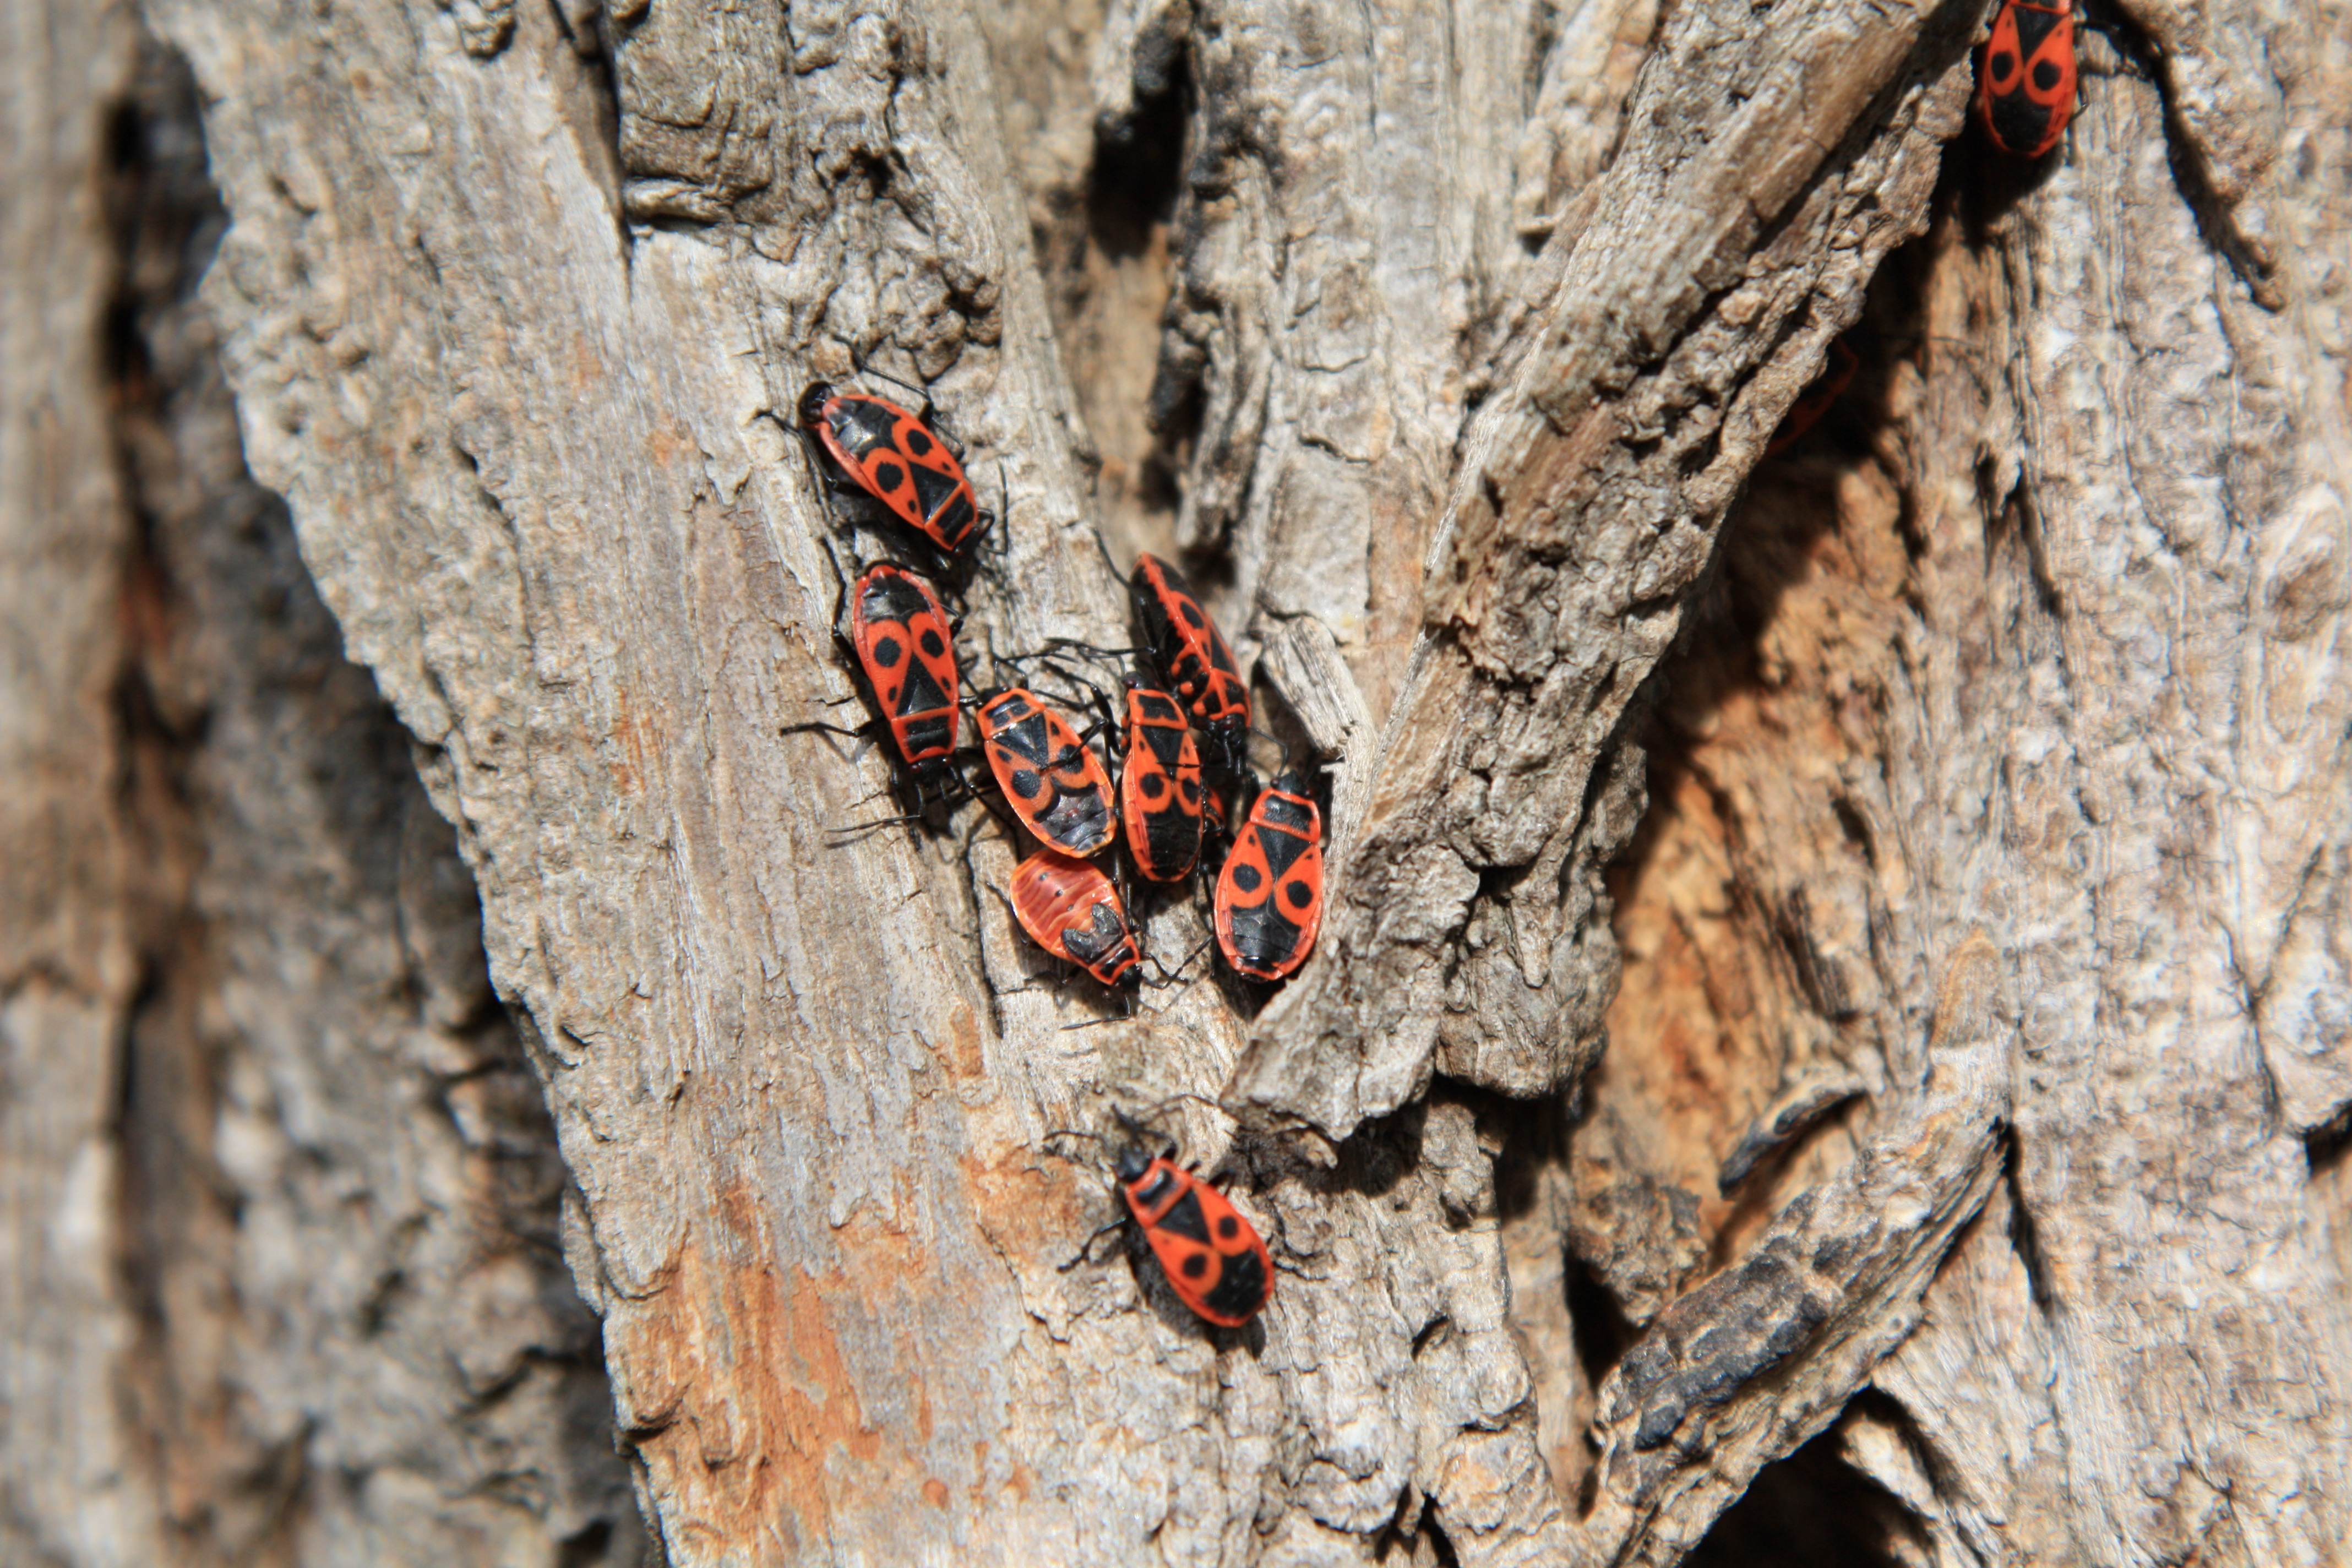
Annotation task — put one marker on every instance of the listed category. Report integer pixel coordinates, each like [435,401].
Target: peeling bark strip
[1748,1366]
[1774,159]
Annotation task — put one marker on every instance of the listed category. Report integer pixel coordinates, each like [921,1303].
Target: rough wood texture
[69,1491]
[801,1086]
[1466,931]
[1943,825]
[306,1298]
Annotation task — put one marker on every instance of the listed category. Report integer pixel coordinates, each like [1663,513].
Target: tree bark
[1830,1037]
[285,1276]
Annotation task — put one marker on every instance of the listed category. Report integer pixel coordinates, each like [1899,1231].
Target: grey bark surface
[305,1295]
[1829,1038]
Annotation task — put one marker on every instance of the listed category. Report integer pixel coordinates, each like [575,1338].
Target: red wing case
[1270,893]
[1159,801]
[1192,657]
[899,460]
[1069,909]
[907,648]
[1214,1259]
[1052,779]
[2025,78]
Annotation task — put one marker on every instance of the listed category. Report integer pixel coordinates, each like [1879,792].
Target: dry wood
[69,1490]
[1943,827]
[1466,933]
[305,1294]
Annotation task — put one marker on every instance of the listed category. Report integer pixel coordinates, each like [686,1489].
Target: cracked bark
[1942,827]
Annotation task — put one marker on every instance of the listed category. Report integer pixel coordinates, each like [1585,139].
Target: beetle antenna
[819,727]
[925,413]
[1104,545]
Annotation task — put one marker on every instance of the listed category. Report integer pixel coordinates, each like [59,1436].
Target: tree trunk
[1830,1035]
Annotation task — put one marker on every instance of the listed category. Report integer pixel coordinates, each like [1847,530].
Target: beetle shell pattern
[1192,657]
[1214,1259]
[906,645]
[1159,800]
[1269,902]
[1051,778]
[899,460]
[1069,908]
[2026,77]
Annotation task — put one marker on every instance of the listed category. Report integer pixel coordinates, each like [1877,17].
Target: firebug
[1070,909]
[902,641]
[1051,778]
[1818,399]
[1269,902]
[1159,798]
[899,459]
[1213,1257]
[906,645]
[1192,658]
[2025,78]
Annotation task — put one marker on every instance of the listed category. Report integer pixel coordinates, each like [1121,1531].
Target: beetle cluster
[1178,756]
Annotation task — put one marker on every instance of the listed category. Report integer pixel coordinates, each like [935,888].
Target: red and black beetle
[900,461]
[1269,902]
[1051,778]
[1192,658]
[1159,796]
[2026,76]
[1212,1257]
[1069,908]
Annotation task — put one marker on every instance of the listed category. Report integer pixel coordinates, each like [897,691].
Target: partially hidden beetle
[1193,659]
[2026,76]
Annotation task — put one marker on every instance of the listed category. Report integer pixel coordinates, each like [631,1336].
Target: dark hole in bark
[165,221]
[587,1546]
[2022,1235]
[1602,1333]
[1441,1548]
[2324,1148]
[1534,1136]
[1812,1508]
[1379,1154]
[1139,163]
[1132,189]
